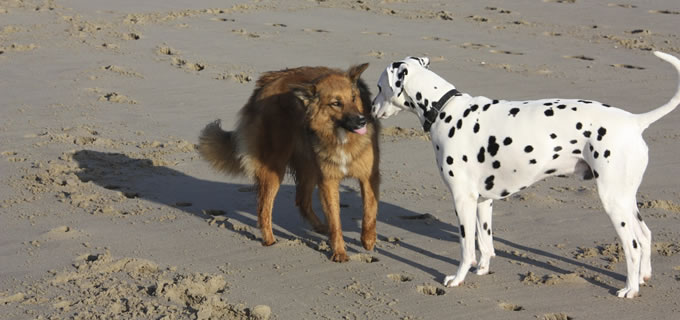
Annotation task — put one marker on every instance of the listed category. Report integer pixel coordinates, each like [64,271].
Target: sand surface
[106,209]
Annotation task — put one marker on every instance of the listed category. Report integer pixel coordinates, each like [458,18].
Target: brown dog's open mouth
[355,124]
[361,130]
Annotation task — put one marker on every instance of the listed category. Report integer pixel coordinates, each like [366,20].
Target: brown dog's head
[334,101]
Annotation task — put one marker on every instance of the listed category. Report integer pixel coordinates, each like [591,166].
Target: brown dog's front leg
[330,201]
[369,193]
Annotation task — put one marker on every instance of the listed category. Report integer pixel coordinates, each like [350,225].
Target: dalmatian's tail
[645,119]
[219,147]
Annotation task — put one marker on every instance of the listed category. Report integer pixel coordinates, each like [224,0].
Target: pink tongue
[361,130]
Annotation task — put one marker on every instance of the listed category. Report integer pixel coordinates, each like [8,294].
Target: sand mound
[99,286]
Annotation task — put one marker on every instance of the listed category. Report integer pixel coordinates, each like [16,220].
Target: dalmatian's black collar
[431,114]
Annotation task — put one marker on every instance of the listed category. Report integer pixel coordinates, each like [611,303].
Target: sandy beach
[108,212]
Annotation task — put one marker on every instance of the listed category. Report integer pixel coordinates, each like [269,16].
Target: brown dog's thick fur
[316,123]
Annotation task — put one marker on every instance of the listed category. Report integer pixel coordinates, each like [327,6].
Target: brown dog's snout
[355,123]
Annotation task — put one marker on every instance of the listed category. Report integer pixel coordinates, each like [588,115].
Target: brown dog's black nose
[361,120]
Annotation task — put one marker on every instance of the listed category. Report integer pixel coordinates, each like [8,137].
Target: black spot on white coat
[489,182]
[492,147]
[480,155]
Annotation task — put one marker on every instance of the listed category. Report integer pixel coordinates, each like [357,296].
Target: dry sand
[107,211]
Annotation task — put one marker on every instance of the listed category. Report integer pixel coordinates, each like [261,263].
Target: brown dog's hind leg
[303,199]
[369,193]
[268,183]
[330,201]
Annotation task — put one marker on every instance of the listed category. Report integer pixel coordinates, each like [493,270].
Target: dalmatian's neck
[426,93]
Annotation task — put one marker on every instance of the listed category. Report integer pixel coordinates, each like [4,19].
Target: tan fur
[292,123]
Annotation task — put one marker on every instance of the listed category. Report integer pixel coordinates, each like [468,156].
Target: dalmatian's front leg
[484,236]
[466,207]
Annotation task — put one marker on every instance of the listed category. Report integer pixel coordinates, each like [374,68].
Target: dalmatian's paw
[483,265]
[450,281]
[627,293]
[645,274]
[482,269]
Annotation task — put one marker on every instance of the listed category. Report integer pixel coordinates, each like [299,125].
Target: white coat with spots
[489,149]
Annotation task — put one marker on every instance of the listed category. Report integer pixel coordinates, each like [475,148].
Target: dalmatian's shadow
[204,198]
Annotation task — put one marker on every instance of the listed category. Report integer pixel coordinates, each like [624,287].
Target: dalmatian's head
[391,98]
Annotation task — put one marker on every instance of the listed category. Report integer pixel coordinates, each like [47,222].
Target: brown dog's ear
[306,92]
[354,72]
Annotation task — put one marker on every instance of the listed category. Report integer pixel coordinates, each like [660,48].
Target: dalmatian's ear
[396,73]
[424,61]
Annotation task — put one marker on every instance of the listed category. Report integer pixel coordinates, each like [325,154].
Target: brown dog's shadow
[205,199]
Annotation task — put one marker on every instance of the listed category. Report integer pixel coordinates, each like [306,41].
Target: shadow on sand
[204,198]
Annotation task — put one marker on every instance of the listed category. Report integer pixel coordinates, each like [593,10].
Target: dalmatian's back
[505,146]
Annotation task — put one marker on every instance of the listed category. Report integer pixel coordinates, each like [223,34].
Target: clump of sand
[397,133]
[99,285]
[551,279]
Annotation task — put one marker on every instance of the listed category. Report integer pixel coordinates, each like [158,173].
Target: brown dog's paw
[340,257]
[268,241]
[368,242]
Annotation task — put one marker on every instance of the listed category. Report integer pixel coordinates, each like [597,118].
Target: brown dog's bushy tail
[219,147]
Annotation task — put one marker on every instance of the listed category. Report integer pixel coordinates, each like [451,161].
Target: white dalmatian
[489,149]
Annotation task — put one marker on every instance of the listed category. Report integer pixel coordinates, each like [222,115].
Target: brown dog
[315,122]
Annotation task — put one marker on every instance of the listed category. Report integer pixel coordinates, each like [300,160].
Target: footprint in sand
[639,31]
[580,57]
[246,33]
[478,18]
[214,212]
[664,11]
[552,34]
[499,10]
[430,290]
[510,307]
[223,19]
[165,50]
[363,257]
[115,97]
[132,36]
[627,66]
[376,54]
[556,316]
[622,5]
[506,52]
[561,1]
[471,45]
[436,39]
[177,61]
[377,33]
[399,277]
[315,30]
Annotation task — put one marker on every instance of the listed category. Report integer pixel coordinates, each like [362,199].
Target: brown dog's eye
[336,103]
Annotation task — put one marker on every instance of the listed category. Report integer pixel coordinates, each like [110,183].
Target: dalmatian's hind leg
[646,244]
[484,236]
[617,183]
